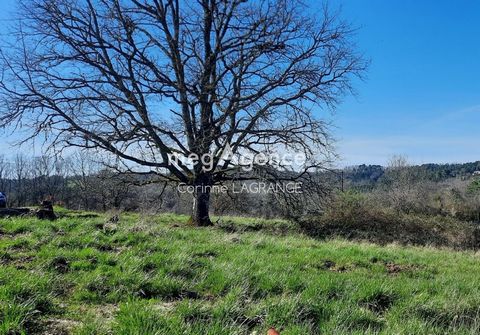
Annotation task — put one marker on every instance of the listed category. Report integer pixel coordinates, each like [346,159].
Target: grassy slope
[155,275]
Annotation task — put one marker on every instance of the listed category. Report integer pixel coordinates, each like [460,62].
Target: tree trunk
[201,205]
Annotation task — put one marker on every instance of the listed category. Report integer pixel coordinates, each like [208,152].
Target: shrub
[354,215]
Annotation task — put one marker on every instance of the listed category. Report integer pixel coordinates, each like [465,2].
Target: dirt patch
[332,266]
[342,268]
[60,264]
[148,290]
[20,245]
[149,267]
[379,303]
[249,322]
[21,262]
[110,248]
[328,264]
[393,269]
[105,312]
[187,294]
[5,258]
[173,296]
[55,326]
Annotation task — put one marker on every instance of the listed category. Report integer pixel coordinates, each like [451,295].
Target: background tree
[83,169]
[403,186]
[21,167]
[47,176]
[5,170]
[142,80]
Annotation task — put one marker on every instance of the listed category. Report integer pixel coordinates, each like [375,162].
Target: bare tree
[83,169]
[21,168]
[47,177]
[5,170]
[144,80]
[404,187]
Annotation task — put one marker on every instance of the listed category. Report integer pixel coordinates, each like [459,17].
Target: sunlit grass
[156,275]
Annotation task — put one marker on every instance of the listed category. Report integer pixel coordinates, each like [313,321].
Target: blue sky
[422,94]
[421,97]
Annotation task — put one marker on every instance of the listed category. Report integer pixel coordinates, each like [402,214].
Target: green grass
[156,275]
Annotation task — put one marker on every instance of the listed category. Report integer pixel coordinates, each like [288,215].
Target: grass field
[155,275]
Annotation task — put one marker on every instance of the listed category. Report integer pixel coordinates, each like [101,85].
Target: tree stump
[45,212]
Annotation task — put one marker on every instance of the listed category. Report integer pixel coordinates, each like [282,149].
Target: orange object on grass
[272,331]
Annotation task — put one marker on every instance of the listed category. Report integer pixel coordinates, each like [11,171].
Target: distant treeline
[76,182]
[79,182]
[368,176]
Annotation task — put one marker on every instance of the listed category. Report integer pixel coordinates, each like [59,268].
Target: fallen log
[8,212]
[45,212]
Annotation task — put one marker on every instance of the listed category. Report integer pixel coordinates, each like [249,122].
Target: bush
[354,215]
